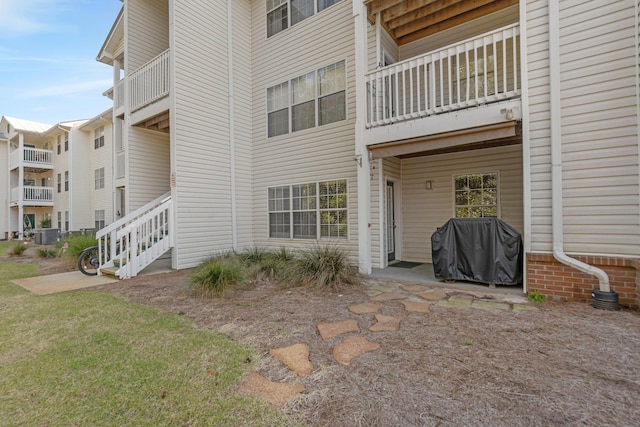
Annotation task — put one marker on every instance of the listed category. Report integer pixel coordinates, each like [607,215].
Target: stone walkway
[415,298]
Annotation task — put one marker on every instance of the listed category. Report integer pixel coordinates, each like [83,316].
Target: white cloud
[94,86]
[23,17]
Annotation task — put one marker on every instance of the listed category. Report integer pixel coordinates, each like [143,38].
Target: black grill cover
[484,250]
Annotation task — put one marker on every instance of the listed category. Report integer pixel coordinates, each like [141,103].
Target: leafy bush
[47,253]
[45,223]
[323,267]
[77,243]
[536,296]
[217,274]
[17,249]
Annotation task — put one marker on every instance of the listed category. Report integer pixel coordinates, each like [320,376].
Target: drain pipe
[556,154]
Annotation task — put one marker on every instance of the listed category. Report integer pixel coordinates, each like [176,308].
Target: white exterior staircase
[133,242]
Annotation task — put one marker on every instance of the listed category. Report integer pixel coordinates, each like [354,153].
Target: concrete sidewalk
[54,283]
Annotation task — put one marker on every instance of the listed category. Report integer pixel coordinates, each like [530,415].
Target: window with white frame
[59,144]
[99,178]
[476,195]
[99,222]
[313,99]
[282,14]
[59,220]
[59,183]
[309,211]
[66,141]
[98,137]
[66,181]
[66,221]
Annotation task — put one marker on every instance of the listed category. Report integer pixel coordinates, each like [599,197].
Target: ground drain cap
[604,300]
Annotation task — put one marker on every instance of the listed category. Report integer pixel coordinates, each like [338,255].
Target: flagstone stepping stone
[296,357]
[365,308]
[416,306]
[490,306]
[255,385]
[381,288]
[385,323]
[456,301]
[330,330]
[523,307]
[389,296]
[415,288]
[350,348]
[433,295]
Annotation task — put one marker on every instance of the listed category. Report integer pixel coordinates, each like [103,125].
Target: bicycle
[89,259]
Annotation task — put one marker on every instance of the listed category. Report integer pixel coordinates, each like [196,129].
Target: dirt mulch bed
[562,364]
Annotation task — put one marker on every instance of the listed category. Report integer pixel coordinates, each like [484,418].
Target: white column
[21,186]
[361,152]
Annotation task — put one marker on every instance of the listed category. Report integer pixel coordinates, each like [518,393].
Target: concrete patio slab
[62,282]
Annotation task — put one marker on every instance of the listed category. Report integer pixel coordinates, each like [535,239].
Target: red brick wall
[554,279]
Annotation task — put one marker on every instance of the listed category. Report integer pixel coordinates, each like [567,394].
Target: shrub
[268,265]
[536,296]
[323,267]
[254,256]
[77,243]
[217,274]
[17,249]
[47,253]
[45,223]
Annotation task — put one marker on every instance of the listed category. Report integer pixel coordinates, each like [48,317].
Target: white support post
[362,154]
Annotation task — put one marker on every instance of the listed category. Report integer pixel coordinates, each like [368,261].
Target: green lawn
[89,358]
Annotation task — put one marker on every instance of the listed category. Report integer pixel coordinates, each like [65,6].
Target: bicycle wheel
[88,262]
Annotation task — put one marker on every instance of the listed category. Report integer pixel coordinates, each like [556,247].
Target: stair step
[110,271]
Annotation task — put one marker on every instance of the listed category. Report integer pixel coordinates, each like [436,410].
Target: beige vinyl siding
[539,131]
[202,138]
[599,127]
[61,164]
[102,158]
[81,185]
[376,212]
[148,166]
[426,210]
[312,155]
[146,31]
[243,121]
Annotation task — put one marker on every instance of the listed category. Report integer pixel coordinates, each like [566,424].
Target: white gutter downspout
[232,143]
[556,153]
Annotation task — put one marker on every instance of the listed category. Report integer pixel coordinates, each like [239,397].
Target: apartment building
[370,123]
[58,176]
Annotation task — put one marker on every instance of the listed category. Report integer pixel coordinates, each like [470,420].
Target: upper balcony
[32,196]
[448,74]
[32,159]
[145,93]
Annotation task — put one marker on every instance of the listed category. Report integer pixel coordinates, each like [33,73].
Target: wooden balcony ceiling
[410,20]
[160,123]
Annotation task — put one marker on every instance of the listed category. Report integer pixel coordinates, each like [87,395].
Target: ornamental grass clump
[47,253]
[322,267]
[214,276]
[18,249]
[76,243]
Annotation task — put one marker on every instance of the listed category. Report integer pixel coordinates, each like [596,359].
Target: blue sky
[48,67]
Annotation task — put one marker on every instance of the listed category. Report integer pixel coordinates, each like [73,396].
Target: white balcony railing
[32,195]
[32,157]
[150,82]
[474,72]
